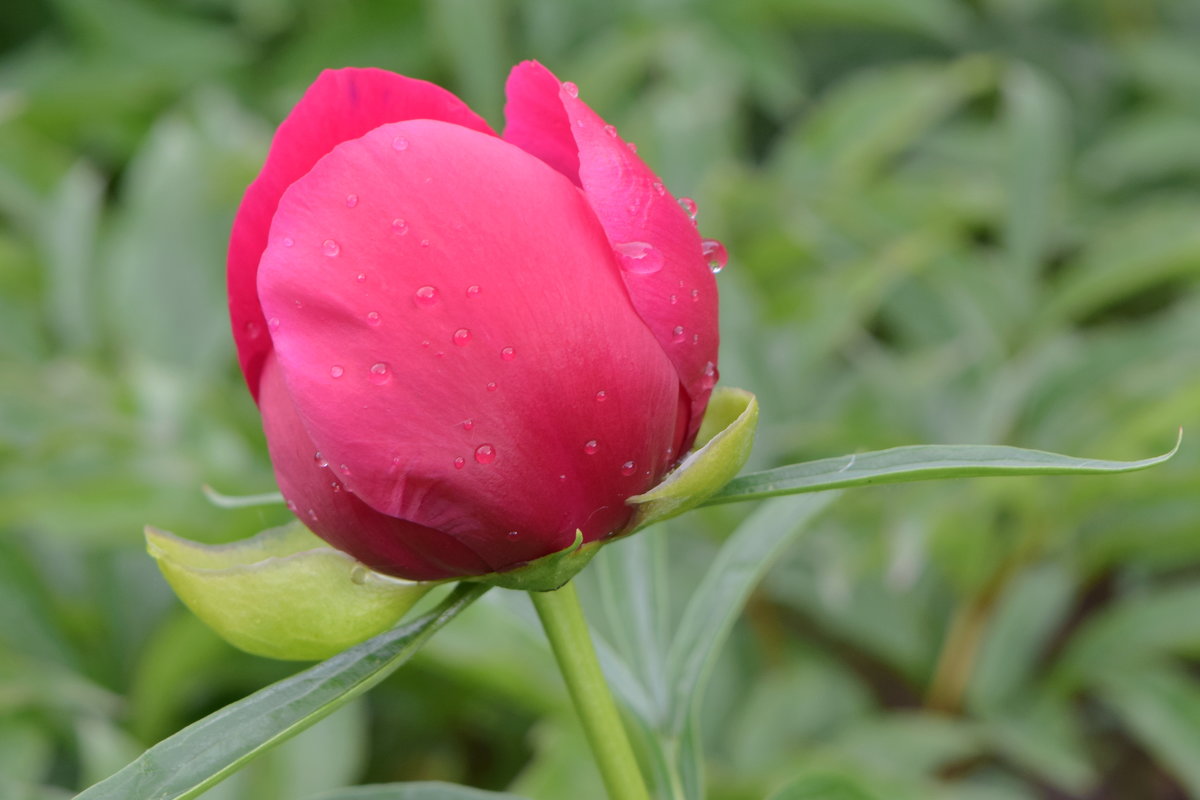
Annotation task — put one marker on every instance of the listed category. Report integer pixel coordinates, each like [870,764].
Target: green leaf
[283,593]
[203,753]
[718,600]
[1162,706]
[722,447]
[919,463]
[424,790]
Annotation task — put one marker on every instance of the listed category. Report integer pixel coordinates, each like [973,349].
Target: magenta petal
[340,105]
[315,493]
[664,266]
[459,344]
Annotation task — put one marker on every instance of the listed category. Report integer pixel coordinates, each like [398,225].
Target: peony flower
[467,347]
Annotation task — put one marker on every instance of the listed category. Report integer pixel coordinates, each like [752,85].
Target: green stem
[567,630]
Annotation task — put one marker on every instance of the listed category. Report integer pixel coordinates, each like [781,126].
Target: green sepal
[547,573]
[722,447]
[282,593]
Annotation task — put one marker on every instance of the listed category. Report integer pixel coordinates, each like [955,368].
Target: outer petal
[459,343]
[316,495]
[670,283]
[341,104]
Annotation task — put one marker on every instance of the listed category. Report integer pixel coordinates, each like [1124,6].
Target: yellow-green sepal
[722,447]
[547,573]
[283,593]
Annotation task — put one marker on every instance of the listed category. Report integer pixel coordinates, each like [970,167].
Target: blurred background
[950,221]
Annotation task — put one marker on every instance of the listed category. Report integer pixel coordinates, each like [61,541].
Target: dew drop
[359,574]
[379,374]
[400,143]
[639,257]
[513,534]
[562,478]
[460,462]
[690,208]
[426,295]
[399,226]
[373,317]
[291,506]
[485,454]
[351,200]
[287,241]
[658,187]
[337,487]
[611,130]
[591,447]
[468,424]
[632,147]
[472,291]
[337,371]
[330,248]
[462,337]
[710,376]
[695,295]
[320,460]
[714,253]
[601,396]
[312,515]
[695,338]
[508,354]
[571,89]
[342,468]
[677,334]
[628,468]
[424,243]
[491,387]
[674,299]
[273,323]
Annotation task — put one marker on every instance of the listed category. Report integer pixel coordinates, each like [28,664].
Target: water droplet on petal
[312,515]
[351,200]
[361,277]
[491,387]
[571,89]
[632,147]
[468,424]
[601,396]
[320,460]
[399,143]
[513,534]
[424,243]
[399,226]
[379,373]
[460,462]
[677,334]
[695,295]
[714,253]
[373,317]
[628,468]
[485,454]
[639,257]
[337,371]
[710,376]
[472,291]
[330,248]
[689,206]
[287,241]
[273,323]
[426,295]
[674,299]
[342,468]
[591,447]
[291,506]
[462,337]
[359,574]
[508,354]
[658,187]
[611,130]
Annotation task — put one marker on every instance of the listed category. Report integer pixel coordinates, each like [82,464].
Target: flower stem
[566,628]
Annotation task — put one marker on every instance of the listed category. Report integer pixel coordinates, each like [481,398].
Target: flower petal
[459,344]
[385,544]
[656,242]
[340,105]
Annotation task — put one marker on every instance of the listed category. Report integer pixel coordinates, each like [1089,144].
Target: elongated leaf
[718,600]
[424,790]
[919,463]
[200,755]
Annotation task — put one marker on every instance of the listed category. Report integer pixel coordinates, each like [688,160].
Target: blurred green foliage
[949,220]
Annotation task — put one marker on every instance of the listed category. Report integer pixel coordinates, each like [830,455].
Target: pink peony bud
[465,347]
